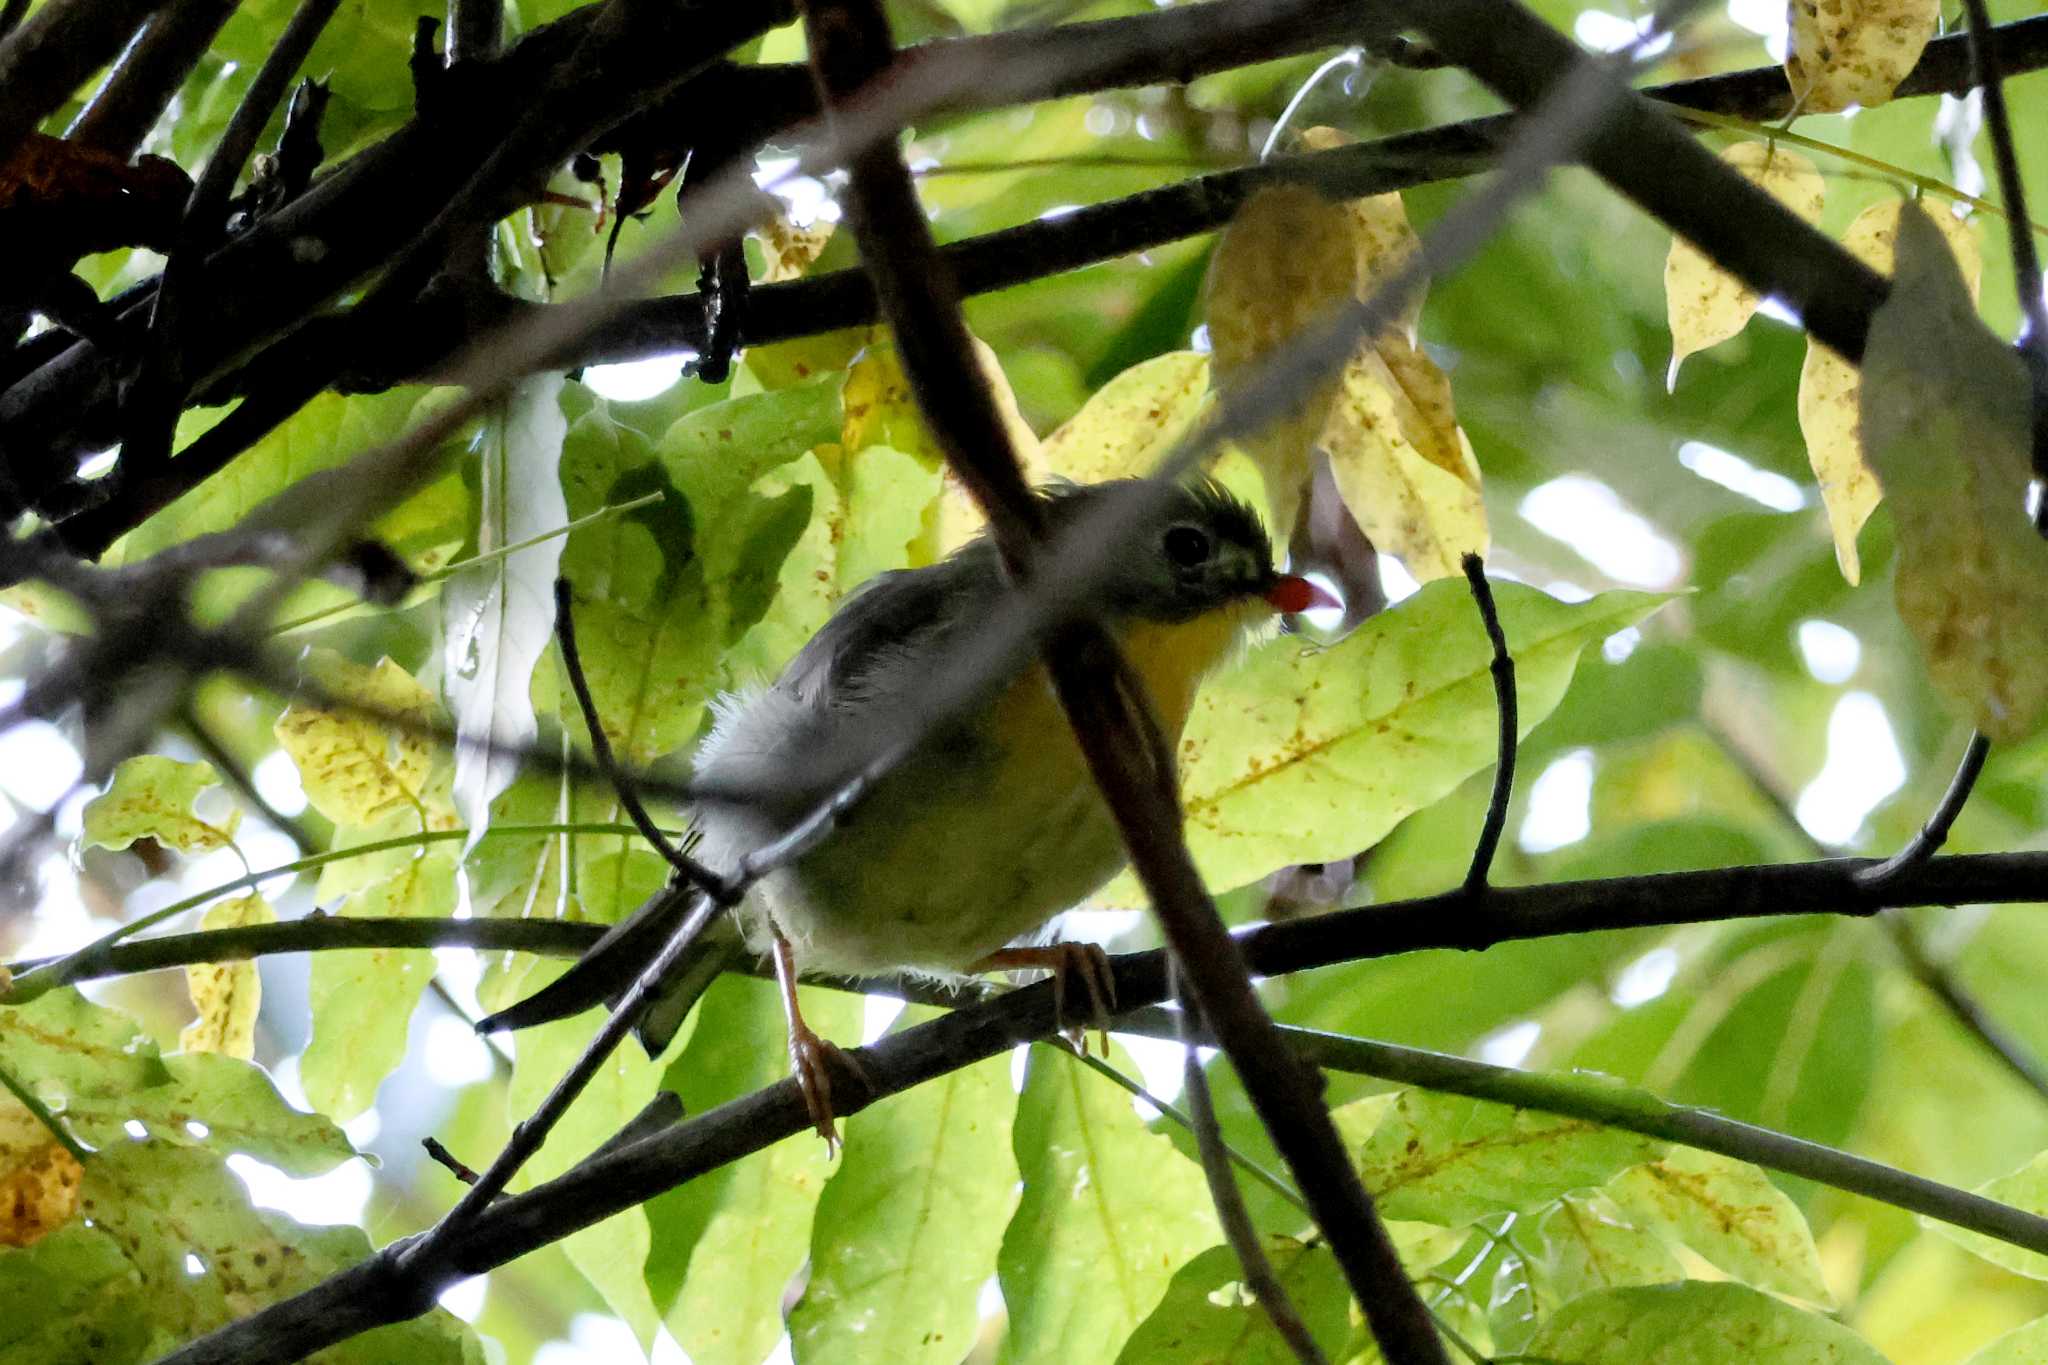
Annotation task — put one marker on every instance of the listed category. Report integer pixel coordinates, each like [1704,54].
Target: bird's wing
[890,633]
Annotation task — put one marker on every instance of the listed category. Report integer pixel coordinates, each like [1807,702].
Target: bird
[987,824]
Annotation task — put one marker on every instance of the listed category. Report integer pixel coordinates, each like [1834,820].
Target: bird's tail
[608,970]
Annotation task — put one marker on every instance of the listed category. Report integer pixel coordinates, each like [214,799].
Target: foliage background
[1772,713]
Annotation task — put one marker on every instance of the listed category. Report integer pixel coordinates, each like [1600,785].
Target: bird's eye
[1186,546]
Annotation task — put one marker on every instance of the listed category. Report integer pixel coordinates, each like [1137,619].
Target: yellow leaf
[1286,260]
[1706,305]
[1130,423]
[1946,425]
[356,766]
[1830,387]
[1845,52]
[38,1192]
[227,994]
[1401,462]
[1380,235]
[154,797]
[788,250]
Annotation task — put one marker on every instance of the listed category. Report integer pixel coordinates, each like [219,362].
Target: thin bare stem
[1934,833]
[1503,670]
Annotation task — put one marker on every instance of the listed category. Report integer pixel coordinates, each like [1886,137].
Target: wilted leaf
[1845,52]
[1287,259]
[1695,1324]
[1304,755]
[1830,388]
[907,1230]
[1380,234]
[1448,1159]
[152,797]
[498,616]
[38,1185]
[1706,304]
[362,1001]
[1209,1317]
[788,250]
[354,765]
[1731,1214]
[1109,1209]
[1402,463]
[1946,425]
[227,995]
[1588,1245]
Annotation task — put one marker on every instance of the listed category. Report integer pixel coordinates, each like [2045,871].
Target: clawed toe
[1085,963]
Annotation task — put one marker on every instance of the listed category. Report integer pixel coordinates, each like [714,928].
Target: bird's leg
[810,1057]
[1086,963]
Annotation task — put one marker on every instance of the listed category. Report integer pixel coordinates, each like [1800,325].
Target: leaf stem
[44,1116]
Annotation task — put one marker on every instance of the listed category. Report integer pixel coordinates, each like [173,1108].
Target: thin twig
[41,1113]
[149,75]
[1504,700]
[1933,834]
[51,52]
[692,871]
[1231,1213]
[443,1157]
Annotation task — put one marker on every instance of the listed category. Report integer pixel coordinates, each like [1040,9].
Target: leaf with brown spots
[154,797]
[1449,1160]
[354,764]
[1301,755]
[1845,52]
[38,1188]
[1831,389]
[227,994]
[1946,423]
[1589,1244]
[1706,305]
[1730,1213]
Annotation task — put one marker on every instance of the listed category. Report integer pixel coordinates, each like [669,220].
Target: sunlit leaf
[1589,1244]
[1705,303]
[789,250]
[1128,424]
[2025,1188]
[498,616]
[1830,388]
[1403,465]
[907,1230]
[227,995]
[1380,235]
[106,1082]
[1287,259]
[755,1215]
[613,1253]
[1109,1209]
[152,797]
[1730,1213]
[2023,1346]
[1695,1324]
[1846,52]
[1448,1159]
[1304,755]
[1947,426]
[362,1001]
[354,765]
[1209,1317]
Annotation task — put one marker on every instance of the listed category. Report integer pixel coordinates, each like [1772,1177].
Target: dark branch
[149,75]
[1934,833]
[52,52]
[1505,703]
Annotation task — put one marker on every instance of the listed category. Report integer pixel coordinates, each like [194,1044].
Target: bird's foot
[1085,963]
[812,1060]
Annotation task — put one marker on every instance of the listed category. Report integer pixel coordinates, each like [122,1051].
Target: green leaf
[2025,1188]
[362,1001]
[499,616]
[2023,1346]
[1695,1324]
[1302,755]
[153,797]
[755,1232]
[98,1073]
[1109,1209]
[612,1254]
[1589,1245]
[907,1231]
[1208,1316]
[1448,1159]
[176,1250]
[1730,1213]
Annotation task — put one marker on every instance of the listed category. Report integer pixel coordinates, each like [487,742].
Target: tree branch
[52,52]
[149,75]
